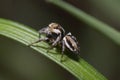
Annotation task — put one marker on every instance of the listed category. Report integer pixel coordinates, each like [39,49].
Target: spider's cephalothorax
[54,34]
[71,43]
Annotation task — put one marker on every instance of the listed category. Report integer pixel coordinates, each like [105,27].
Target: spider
[55,34]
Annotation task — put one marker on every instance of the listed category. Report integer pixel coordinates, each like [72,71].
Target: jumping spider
[55,35]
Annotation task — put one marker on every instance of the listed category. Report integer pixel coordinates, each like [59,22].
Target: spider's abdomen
[71,43]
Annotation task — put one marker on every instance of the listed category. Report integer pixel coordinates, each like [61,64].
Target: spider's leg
[56,41]
[63,49]
[41,39]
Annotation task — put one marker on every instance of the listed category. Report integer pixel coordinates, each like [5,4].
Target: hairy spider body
[55,34]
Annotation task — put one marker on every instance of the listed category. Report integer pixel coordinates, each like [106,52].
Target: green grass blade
[92,21]
[25,35]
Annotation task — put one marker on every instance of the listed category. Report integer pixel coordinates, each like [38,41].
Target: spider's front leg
[56,41]
[40,39]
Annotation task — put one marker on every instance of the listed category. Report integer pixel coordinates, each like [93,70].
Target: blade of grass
[92,21]
[25,35]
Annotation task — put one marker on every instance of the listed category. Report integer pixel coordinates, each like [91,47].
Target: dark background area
[19,62]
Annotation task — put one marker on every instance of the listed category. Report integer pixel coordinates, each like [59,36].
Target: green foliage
[25,35]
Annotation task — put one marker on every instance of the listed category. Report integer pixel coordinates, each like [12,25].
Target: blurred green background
[19,62]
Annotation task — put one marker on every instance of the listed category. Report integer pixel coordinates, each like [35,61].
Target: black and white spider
[55,34]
